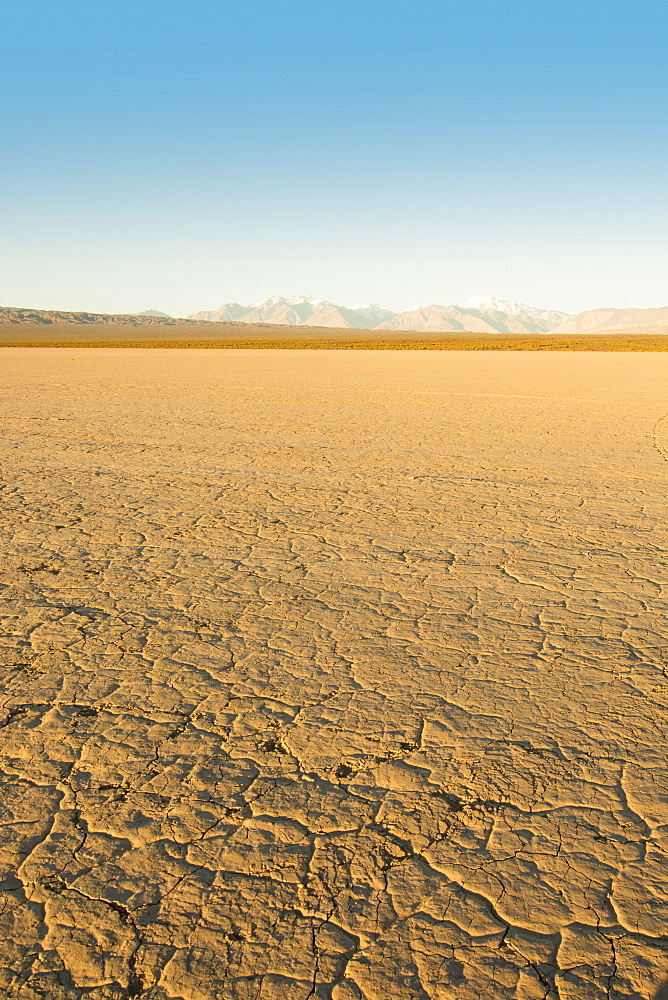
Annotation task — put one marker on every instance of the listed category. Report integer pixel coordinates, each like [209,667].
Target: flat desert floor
[334,674]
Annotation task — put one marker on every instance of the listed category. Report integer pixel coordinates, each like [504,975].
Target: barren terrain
[334,674]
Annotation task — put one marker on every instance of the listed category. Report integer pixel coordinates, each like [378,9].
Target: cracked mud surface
[336,676]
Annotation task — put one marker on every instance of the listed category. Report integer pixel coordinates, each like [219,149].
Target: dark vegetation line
[457,343]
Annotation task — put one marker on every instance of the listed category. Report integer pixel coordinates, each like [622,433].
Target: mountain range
[479,314]
[300,310]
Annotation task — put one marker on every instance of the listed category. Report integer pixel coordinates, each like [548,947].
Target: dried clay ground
[334,674]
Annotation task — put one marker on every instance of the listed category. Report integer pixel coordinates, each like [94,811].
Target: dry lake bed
[334,674]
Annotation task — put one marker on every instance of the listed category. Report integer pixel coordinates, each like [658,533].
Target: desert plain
[334,674]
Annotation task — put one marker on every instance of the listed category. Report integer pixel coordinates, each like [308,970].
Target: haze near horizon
[180,157]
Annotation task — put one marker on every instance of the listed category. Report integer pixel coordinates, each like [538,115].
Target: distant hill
[36,317]
[477,315]
[646,321]
[154,312]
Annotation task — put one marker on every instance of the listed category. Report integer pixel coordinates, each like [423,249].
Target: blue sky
[181,155]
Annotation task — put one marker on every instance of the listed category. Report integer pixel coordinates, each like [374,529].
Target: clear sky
[181,155]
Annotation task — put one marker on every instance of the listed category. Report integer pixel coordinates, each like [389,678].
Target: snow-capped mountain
[479,314]
[299,310]
[525,313]
[294,300]
[490,304]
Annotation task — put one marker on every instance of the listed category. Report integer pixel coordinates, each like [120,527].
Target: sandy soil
[336,675]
